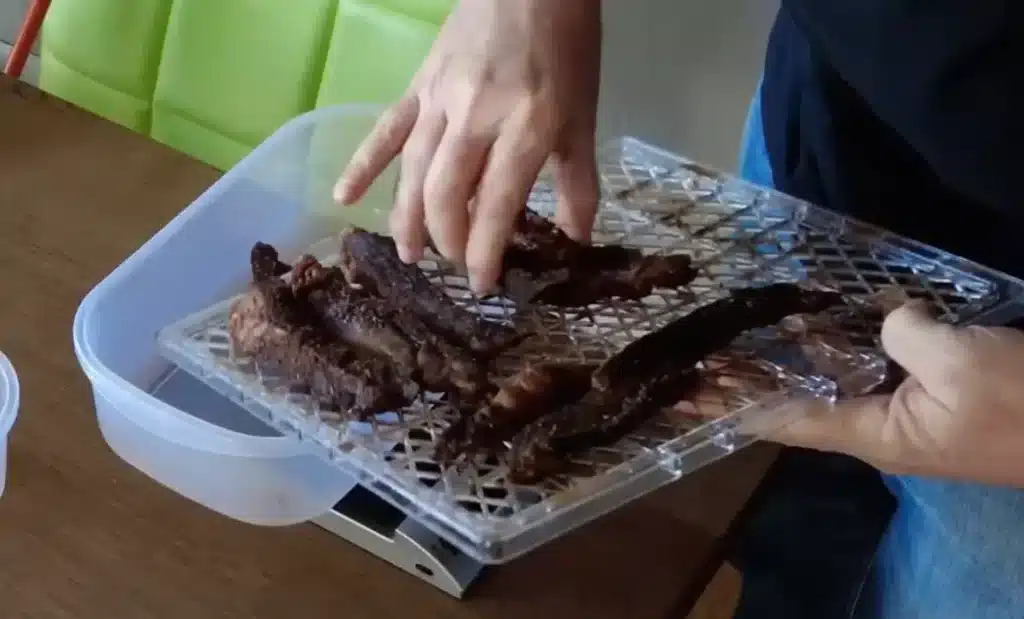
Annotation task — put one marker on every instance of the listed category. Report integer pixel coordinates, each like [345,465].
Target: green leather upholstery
[214,78]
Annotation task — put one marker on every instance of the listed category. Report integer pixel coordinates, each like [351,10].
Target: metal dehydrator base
[369,522]
[360,517]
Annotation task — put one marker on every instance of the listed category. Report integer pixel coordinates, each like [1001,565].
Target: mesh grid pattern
[738,235]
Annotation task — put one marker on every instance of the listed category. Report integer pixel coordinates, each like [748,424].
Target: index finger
[514,164]
[377,150]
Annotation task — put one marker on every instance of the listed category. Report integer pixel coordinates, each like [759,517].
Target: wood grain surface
[83,535]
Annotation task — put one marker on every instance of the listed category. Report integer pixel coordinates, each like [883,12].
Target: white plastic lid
[9,395]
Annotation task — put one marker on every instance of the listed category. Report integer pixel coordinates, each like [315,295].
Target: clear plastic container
[9,401]
[175,427]
[169,425]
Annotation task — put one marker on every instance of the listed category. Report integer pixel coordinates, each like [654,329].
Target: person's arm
[945,74]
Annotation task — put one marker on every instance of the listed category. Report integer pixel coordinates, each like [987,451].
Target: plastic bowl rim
[10,395]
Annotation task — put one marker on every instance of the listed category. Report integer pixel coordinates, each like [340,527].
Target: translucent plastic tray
[740,235]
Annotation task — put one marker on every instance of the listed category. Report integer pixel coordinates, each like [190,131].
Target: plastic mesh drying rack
[740,235]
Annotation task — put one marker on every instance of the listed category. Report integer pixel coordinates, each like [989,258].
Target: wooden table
[84,535]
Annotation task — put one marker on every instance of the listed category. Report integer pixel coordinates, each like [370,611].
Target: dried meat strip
[371,260]
[280,334]
[599,418]
[375,325]
[646,376]
[543,265]
[711,327]
[532,392]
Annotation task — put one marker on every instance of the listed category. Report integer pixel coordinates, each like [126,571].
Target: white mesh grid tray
[739,235]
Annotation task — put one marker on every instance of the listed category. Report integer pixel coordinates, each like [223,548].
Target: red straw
[26,37]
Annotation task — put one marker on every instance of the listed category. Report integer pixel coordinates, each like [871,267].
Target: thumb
[927,349]
[889,431]
[886,431]
[577,183]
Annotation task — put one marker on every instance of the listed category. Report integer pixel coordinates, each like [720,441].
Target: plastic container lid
[9,396]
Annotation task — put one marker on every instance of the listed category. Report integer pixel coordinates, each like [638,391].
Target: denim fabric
[951,550]
[753,160]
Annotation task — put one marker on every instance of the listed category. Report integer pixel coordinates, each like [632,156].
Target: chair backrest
[213,78]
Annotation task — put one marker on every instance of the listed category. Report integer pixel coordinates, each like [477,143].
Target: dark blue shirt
[906,113]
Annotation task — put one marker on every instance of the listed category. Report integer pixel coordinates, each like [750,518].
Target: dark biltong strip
[598,419]
[281,335]
[534,391]
[265,263]
[371,260]
[373,324]
[354,318]
[711,327]
[543,265]
[569,287]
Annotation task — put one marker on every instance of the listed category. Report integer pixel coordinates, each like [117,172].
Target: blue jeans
[950,550]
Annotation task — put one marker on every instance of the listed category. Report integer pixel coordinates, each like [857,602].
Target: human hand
[959,414]
[507,84]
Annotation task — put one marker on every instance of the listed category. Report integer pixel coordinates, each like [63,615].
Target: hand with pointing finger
[959,414]
[507,85]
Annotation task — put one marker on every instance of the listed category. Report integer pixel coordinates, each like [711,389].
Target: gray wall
[678,73]
[11,12]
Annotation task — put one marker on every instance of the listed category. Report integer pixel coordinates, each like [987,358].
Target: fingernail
[343,192]
[407,254]
[574,232]
[479,285]
[403,253]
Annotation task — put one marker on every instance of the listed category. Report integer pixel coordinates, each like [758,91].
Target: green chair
[214,78]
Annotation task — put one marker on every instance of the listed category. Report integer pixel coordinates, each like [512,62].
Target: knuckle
[401,210]
[958,364]
[359,165]
[388,122]
[506,199]
[435,192]
[539,108]
[395,116]
[463,133]
[417,150]
[478,121]
[966,359]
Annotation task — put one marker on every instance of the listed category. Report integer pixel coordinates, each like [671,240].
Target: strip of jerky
[352,316]
[371,260]
[280,334]
[598,419]
[711,327]
[444,367]
[375,325]
[543,265]
[568,287]
[532,392]
[265,263]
